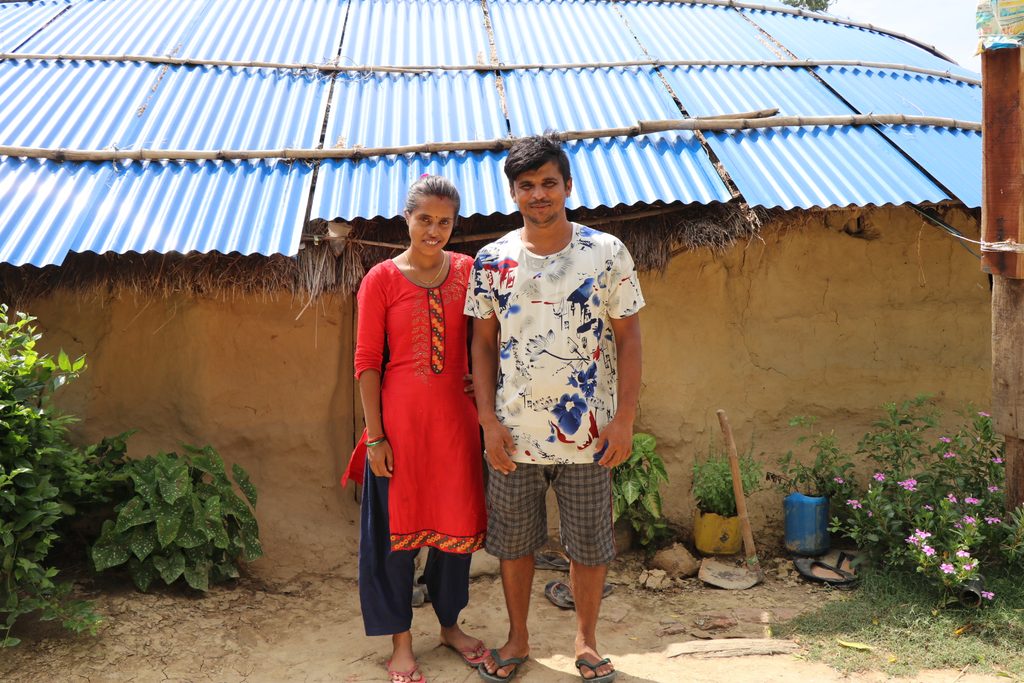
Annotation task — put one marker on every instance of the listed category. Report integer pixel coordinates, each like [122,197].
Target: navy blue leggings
[386,576]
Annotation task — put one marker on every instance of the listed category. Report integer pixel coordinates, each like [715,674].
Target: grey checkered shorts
[517,522]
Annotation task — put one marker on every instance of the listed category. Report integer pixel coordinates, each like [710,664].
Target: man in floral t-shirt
[556,361]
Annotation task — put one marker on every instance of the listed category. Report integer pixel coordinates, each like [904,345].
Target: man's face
[541,194]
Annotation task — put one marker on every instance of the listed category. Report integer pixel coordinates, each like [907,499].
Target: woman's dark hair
[431,186]
[529,154]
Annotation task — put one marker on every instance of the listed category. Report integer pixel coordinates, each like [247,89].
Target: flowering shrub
[830,474]
[934,504]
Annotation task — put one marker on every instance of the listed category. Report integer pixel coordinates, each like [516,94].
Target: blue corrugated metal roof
[385,110]
[812,38]
[606,172]
[808,167]
[18,21]
[561,32]
[116,27]
[42,98]
[609,98]
[39,203]
[415,33]
[198,206]
[224,206]
[677,31]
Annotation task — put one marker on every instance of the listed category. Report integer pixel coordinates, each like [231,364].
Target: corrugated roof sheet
[224,206]
[18,21]
[415,33]
[40,202]
[169,206]
[584,99]
[117,27]
[676,31]
[808,167]
[606,172]
[384,110]
[810,38]
[561,32]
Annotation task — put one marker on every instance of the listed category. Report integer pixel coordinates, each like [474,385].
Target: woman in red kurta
[423,473]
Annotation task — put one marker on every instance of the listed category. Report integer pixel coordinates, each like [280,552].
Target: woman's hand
[382,460]
[468,388]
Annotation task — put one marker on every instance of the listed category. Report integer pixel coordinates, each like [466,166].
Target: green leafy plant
[934,504]
[41,477]
[829,474]
[183,520]
[712,482]
[636,494]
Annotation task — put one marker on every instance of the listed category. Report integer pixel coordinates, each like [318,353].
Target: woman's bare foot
[471,649]
[402,665]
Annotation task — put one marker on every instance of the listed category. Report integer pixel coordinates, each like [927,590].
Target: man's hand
[499,446]
[382,460]
[617,441]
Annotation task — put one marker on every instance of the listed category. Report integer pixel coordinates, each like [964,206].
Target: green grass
[901,618]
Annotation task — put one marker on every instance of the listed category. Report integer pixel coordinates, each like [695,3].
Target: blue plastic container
[806,524]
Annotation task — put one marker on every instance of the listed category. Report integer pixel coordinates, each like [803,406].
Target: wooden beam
[1002,119]
[1007,361]
[1014,473]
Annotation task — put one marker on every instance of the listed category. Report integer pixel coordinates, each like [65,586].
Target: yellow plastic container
[716,535]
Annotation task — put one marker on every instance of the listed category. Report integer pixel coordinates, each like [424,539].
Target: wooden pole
[1001,219]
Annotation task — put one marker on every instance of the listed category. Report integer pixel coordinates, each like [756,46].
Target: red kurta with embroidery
[435,496]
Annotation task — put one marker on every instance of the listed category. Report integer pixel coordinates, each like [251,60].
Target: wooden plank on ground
[732,647]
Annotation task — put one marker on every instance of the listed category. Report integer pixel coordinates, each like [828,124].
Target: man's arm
[617,436]
[498,441]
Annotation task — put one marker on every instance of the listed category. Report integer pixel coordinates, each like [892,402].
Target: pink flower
[962,553]
[967,519]
[992,520]
[839,480]
[878,476]
[913,540]
[982,413]
[997,460]
[949,454]
[970,500]
[945,439]
[969,566]
[958,525]
[909,484]
[993,489]
[951,498]
[870,513]
[927,507]
[988,595]
[928,550]
[855,504]
[946,568]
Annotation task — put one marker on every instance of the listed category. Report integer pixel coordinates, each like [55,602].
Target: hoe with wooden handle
[719,572]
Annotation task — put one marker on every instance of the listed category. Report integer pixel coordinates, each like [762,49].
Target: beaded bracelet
[376,442]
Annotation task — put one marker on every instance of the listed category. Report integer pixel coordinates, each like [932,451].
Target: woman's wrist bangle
[376,442]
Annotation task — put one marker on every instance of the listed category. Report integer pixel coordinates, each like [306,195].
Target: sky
[946,24]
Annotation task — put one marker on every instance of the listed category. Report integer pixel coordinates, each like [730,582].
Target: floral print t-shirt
[557,371]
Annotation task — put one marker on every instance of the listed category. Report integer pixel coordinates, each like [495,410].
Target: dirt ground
[309,629]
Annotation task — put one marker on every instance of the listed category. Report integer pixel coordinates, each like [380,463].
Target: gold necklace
[412,269]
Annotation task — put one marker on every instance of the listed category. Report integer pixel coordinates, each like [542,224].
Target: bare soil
[308,628]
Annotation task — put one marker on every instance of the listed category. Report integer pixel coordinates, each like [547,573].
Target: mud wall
[825,317]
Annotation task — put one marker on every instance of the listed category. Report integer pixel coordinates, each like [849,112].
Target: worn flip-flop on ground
[405,676]
[551,559]
[818,570]
[607,678]
[560,595]
[500,663]
[474,657]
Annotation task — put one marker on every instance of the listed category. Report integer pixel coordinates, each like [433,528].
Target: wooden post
[1001,219]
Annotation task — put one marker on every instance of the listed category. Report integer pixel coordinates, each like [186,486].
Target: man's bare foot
[513,654]
[471,649]
[588,654]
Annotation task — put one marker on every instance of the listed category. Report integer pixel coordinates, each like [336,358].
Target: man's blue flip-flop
[514,662]
[607,678]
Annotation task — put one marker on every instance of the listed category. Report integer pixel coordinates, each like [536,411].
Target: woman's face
[430,225]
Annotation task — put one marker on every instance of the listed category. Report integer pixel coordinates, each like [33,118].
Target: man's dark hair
[529,154]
